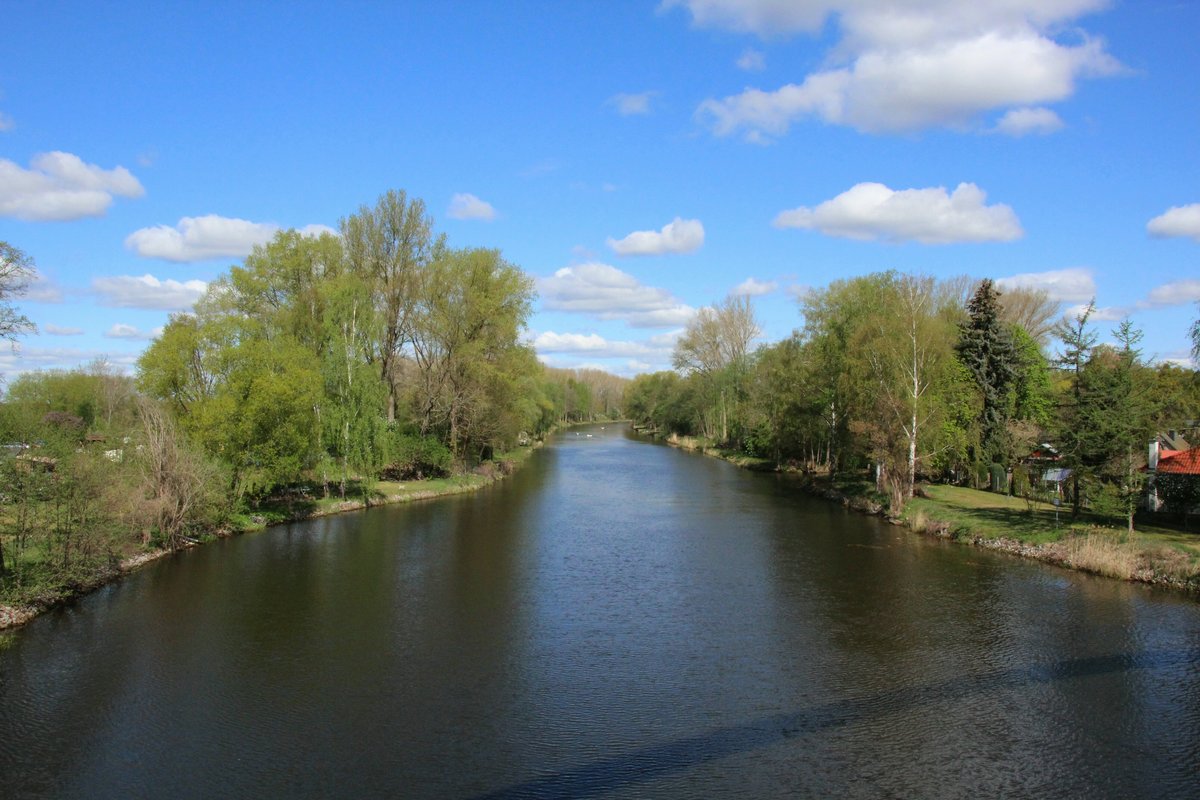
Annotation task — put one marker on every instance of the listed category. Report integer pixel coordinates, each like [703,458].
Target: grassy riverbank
[1155,553]
[299,502]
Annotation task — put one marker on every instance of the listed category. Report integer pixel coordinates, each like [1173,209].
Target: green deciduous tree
[715,348]
[392,246]
[466,338]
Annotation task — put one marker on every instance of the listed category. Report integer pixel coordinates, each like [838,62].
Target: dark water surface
[620,619]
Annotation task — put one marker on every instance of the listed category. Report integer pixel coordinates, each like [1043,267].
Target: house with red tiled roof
[1172,472]
[1186,462]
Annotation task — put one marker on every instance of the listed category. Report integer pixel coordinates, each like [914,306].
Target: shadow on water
[650,763]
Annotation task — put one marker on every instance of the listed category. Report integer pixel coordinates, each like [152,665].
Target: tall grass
[1102,554]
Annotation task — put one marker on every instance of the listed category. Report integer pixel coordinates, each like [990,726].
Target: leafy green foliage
[409,457]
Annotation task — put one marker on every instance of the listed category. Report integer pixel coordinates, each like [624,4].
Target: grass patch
[1088,543]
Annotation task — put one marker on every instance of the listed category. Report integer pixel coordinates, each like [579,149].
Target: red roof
[1180,462]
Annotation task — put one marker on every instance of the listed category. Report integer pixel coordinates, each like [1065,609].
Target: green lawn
[989,515]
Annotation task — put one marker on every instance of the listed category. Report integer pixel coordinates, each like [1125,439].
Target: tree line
[916,379]
[330,361]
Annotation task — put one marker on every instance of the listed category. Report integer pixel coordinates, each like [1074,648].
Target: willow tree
[465,337]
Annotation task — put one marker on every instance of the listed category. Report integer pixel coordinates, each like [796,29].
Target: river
[618,619]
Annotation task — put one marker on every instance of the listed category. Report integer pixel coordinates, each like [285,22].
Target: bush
[408,457]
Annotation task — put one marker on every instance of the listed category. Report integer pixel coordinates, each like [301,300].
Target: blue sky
[639,159]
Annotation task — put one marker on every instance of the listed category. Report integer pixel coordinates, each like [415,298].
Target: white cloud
[629,105]
[1074,285]
[128,291]
[201,238]
[316,231]
[606,293]
[677,236]
[26,359]
[752,60]
[1105,314]
[7,123]
[1180,358]
[764,17]
[929,216]
[1025,121]
[51,329]
[910,66]
[60,186]
[752,287]
[41,289]
[468,206]
[1177,221]
[123,331]
[1175,293]
[597,346]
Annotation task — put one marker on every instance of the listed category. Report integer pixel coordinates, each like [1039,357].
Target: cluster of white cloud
[148,292]
[1177,221]
[468,206]
[678,236]
[930,216]
[1075,285]
[606,293]
[656,348]
[60,186]
[207,237]
[913,65]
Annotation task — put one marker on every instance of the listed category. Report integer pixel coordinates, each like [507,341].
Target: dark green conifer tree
[985,347]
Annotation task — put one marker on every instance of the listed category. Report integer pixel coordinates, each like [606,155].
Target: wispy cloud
[123,331]
[628,105]
[50,329]
[148,292]
[752,60]
[752,287]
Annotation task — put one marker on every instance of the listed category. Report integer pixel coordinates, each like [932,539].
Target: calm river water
[619,619]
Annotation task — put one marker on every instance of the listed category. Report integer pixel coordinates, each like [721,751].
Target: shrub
[410,457]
